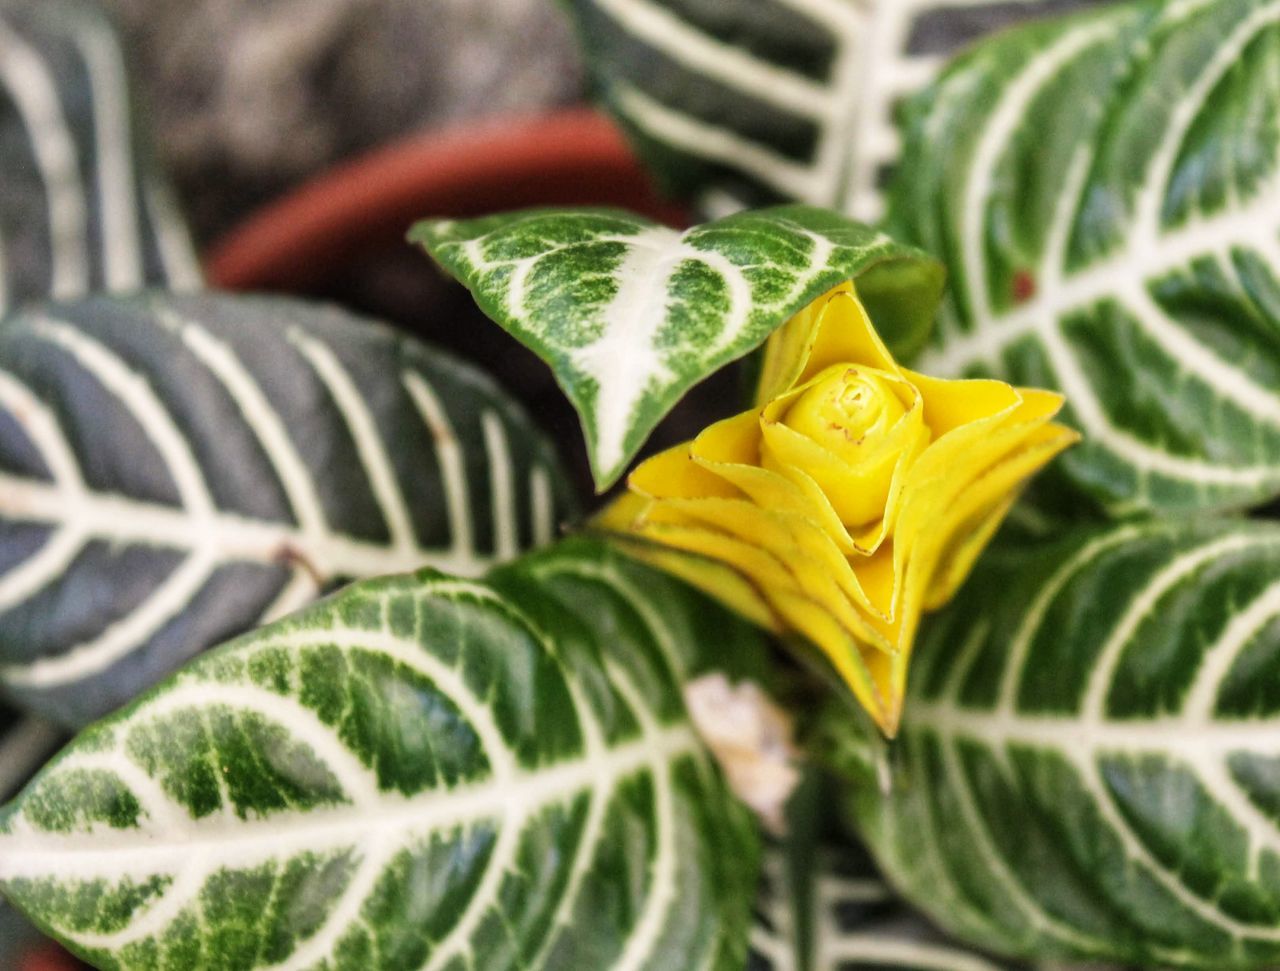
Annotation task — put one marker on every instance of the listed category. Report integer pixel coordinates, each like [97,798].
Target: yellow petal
[940,513]
[834,329]
[731,450]
[813,563]
[756,564]
[855,460]
[622,515]
[733,441]
[862,672]
[949,405]
[985,506]
[674,474]
[782,491]
[850,411]
[846,336]
[790,347]
[856,493]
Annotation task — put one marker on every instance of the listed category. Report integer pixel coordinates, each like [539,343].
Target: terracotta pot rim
[464,170]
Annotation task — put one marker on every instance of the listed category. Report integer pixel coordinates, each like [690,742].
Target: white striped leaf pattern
[765,100]
[852,922]
[1088,766]
[823,905]
[418,772]
[176,470]
[25,744]
[1106,193]
[83,206]
[630,314]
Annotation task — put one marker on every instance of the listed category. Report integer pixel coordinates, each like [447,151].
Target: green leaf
[853,920]
[83,205]
[176,470]
[1088,761]
[25,744]
[754,101]
[1104,192]
[630,314]
[418,772]
[823,905]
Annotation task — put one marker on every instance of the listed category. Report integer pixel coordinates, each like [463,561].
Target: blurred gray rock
[252,96]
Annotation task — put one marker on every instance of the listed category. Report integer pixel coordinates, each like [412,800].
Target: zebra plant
[766,100]
[176,470]
[83,205]
[424,743]
[1088,769]
[420,771]
[1103,190]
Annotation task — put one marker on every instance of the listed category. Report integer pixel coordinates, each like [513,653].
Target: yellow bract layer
[855,496]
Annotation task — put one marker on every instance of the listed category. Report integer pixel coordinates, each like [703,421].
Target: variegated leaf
[176,470]
[630,314]
[25,744]
[1105,190]
[1088,762]
[420,772]
[834,913]
[83,206]
[823,905]
[765,100]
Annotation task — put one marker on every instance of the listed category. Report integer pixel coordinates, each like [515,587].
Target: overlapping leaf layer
[630,315]
[1088,764]
[767,100]
[176,470]
[1104,190]
[419,772]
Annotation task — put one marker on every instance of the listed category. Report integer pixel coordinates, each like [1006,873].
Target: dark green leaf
[419,772]
[1088,761]
[1104,192]
[176,470]
[630,315]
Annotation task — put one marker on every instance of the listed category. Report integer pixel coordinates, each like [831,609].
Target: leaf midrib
[25,851]
[1173,736]
[123,519]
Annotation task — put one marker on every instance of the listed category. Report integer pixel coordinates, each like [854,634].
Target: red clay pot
[573,157]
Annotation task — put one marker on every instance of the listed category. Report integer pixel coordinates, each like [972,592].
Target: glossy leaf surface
[630,314]
[419,772]
[1104,192]
[1087,766]
[751,101]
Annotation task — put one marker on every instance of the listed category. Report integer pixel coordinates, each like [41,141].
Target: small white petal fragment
[753,741]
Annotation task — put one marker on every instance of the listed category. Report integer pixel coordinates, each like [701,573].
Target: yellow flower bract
[855,496]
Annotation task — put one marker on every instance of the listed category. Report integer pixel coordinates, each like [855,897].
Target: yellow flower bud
[847,410]
[848,429]
[855,496]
